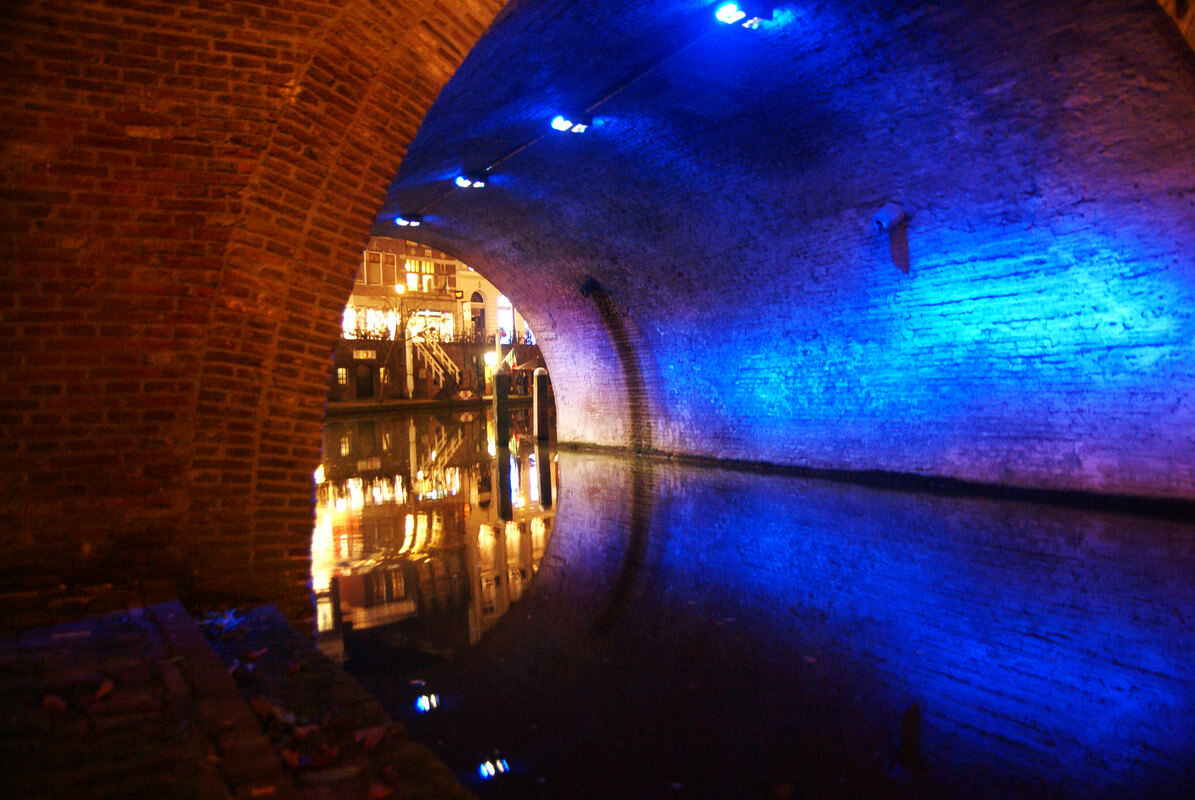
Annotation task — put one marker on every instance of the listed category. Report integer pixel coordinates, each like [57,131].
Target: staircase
[436,359]
[444,446]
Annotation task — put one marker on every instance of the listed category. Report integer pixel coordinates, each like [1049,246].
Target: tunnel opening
[434,495]
[420,325]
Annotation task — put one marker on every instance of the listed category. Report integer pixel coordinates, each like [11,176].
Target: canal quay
[640,628]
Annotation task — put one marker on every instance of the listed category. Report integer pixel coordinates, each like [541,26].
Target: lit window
[342,376]
[506,320]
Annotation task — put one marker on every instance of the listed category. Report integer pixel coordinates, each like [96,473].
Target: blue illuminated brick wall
[1042,334]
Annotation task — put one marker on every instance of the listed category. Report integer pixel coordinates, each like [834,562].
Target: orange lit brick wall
[1183,13]
[187,189]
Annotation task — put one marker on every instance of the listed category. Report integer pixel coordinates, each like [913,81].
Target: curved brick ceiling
[750,310]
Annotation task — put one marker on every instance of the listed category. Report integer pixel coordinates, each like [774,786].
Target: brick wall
[1043,332]
[187,191]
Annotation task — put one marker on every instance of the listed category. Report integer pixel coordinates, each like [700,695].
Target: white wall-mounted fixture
[892,222]
[889,217]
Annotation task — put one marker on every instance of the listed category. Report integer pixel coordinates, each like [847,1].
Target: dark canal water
[661,631]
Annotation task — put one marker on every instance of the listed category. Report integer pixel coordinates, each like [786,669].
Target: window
[506,320]
[419,275]
[342,376]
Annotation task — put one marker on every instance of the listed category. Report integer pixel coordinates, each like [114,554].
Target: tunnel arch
[187,191]
[991,338]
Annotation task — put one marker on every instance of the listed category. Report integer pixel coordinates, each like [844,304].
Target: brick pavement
[138,704]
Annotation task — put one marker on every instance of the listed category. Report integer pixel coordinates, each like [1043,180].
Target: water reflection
[426,527]
[706,634]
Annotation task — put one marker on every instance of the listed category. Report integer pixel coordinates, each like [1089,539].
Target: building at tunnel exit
[934,240]
[420,325]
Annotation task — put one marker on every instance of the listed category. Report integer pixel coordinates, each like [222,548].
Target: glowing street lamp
[408,220]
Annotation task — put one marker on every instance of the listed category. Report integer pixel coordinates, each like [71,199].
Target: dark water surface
[678,632]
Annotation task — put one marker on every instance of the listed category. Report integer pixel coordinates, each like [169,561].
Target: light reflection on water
[712,633]
[411,536]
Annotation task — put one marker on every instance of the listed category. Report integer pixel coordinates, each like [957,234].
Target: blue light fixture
[408,220]
[427,702]
[489,769]
[748,13]
[729,13]
[571,124]
[470,181]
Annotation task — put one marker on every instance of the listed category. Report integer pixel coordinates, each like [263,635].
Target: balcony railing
[374,335]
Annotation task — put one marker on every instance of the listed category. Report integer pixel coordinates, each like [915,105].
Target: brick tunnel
[188,187]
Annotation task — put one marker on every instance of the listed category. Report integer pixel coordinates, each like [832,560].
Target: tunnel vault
[188,187]
[937,240]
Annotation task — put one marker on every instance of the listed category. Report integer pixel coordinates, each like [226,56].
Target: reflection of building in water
[407,525]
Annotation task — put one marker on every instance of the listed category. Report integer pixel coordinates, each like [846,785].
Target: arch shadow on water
[641,494]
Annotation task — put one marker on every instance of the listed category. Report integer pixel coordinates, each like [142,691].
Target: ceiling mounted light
[408,220]
[469,181]
[571,124]
[748,13]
